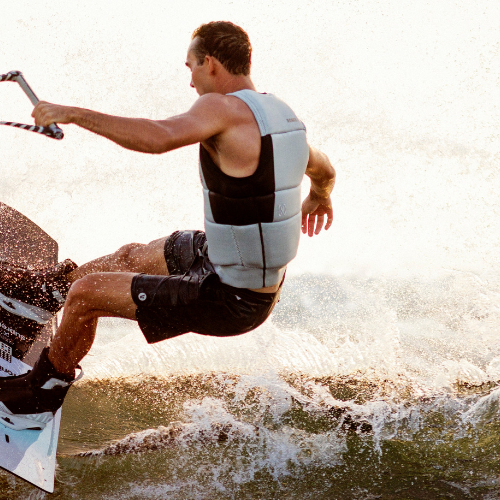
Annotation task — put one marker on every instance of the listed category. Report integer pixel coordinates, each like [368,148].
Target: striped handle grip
[52,130]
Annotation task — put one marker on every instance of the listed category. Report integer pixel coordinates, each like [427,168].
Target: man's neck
[235,83]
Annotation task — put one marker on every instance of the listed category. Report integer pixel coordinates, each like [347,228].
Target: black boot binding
[44,288]
[30,401]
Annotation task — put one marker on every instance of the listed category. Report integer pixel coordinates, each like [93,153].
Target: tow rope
[52,130]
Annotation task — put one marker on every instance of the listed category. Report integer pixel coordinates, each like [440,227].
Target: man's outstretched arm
[205,119]
[318,203]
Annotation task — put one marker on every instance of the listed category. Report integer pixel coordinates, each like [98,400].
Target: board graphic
[24,331]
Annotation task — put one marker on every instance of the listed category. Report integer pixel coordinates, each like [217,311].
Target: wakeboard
[24,331]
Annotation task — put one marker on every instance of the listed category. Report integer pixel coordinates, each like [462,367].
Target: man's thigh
[150,258]
[130,258]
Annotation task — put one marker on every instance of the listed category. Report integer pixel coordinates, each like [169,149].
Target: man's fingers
[38,112]
[329,221]
[36,109]
[34,113]
[304,223]
[319,223]
[310,224]
[313,222]
[46,113]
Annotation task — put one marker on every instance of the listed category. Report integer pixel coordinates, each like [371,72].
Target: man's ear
[212,64]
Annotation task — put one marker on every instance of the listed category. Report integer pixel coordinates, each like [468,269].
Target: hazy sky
[402,95]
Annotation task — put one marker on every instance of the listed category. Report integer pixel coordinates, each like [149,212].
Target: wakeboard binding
[30,401]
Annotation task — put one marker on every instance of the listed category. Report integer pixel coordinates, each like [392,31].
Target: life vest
[253,223]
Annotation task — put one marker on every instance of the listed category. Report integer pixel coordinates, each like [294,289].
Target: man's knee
[127,256]
[80,295]
[140,258]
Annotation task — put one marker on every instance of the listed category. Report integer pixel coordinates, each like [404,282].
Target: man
[226,281]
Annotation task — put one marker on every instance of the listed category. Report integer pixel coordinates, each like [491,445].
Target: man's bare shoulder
[224,106]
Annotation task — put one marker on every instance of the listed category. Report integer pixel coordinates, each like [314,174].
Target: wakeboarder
[222,281]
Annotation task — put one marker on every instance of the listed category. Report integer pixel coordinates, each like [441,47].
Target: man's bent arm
[318,204]
[322,175]
[205,119]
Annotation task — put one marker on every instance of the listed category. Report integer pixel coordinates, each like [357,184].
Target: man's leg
[131,258]
[48,288]
[91,297]
[30,401]
[101,287]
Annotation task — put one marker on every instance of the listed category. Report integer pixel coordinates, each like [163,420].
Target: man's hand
[318,204]
[46,113]
[313,214]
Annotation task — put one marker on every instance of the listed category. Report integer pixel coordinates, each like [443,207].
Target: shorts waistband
[251,294]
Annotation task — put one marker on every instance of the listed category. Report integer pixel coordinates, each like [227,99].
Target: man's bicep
[202,121]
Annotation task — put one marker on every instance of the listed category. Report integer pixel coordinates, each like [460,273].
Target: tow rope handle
[52,130]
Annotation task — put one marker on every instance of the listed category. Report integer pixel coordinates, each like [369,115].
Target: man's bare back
[236,151]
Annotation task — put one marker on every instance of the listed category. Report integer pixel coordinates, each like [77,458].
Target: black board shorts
[192,298]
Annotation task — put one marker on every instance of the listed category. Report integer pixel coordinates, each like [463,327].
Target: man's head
[223,42]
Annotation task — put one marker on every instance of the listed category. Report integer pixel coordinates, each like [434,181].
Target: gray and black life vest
[253,223]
